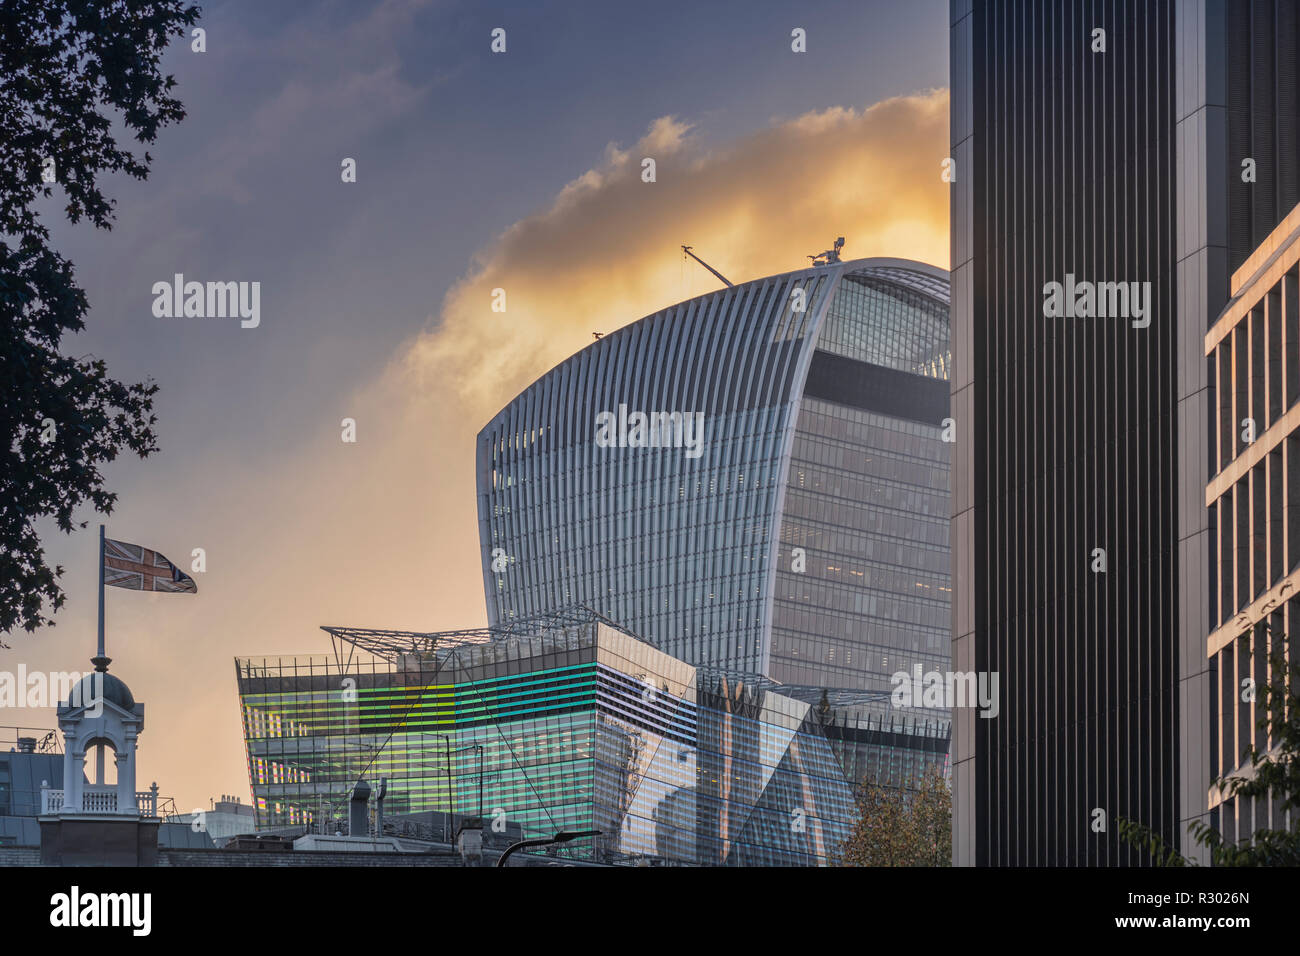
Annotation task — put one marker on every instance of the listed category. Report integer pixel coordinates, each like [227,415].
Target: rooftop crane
[687,251]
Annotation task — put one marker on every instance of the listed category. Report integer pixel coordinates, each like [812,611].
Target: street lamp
[564,836]
[478,748]
[447,751]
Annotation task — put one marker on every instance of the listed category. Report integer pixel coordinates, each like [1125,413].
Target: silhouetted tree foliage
[74,76]
[1275,772]
[902,826]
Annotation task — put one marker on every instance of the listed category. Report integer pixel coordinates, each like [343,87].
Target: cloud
[606,250]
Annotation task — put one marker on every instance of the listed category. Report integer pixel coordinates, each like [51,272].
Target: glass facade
[806,542]
[578,727]
[891,318]
[867,502]
[675,547]
[1254,524]
[684,550]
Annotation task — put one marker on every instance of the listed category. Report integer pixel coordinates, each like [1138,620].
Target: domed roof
[101,684]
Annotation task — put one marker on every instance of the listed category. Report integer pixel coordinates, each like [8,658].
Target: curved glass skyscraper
[754,480]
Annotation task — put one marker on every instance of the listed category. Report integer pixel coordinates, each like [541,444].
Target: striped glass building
[560,723]
[754,480]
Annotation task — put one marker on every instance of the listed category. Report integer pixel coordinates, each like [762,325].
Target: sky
[475,171]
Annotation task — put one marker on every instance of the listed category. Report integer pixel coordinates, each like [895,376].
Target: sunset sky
[475,171]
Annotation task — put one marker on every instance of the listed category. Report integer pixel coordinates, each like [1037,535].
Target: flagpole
[100,653]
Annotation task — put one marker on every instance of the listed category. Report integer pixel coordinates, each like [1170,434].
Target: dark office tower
[1064,387]
[1086,157]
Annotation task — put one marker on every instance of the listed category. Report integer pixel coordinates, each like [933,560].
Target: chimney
[358,817]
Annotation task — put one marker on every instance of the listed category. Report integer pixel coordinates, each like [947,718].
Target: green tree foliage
[902,826]
[1275,773]
[75,75]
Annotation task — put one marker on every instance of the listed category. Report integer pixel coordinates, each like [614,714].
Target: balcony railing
[51,801]
[100,800]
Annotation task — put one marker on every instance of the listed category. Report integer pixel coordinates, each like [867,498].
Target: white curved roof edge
[841,268]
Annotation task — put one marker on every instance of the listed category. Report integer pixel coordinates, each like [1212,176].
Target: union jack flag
[139,569]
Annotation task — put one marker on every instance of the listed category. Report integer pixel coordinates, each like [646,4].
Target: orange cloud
[606,251]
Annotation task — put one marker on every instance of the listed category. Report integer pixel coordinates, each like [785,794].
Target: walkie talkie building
[754,480]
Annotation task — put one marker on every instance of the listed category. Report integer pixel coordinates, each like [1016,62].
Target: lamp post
[447,752]
[461,750]
[564,836]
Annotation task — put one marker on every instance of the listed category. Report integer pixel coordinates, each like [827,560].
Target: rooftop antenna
[687,251]
[830,256]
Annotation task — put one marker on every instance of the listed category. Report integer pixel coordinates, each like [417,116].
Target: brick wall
[20,856]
